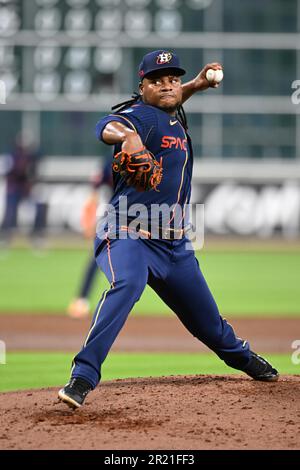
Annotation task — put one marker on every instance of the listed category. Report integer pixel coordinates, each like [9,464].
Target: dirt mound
[198,412]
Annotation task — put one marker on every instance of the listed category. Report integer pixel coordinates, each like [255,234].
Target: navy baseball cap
[160,60]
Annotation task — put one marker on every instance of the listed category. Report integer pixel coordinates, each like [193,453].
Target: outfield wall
[244,198]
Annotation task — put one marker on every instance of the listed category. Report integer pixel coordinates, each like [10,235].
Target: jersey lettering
[169,142]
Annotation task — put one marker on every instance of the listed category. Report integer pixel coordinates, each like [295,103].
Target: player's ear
[141,88]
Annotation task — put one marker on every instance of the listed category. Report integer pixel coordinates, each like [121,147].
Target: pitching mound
[199,412]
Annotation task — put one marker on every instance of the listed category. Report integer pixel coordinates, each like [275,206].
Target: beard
[169,109]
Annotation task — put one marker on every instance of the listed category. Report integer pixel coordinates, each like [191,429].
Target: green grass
[37,370]
[243,283]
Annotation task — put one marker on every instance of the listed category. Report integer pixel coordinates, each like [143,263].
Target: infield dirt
[60,333]
[199,412]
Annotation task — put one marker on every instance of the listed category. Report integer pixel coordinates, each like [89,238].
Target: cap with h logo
[160,60]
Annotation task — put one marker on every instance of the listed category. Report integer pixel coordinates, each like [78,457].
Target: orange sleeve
[88,216]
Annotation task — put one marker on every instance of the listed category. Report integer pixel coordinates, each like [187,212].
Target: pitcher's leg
[124,265]
[187,294]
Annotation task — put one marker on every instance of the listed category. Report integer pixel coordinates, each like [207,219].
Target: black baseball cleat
[75,392]
[259,369]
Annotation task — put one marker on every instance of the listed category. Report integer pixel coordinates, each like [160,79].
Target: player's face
[162,91]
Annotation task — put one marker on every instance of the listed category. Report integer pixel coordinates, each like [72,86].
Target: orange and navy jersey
[164,136]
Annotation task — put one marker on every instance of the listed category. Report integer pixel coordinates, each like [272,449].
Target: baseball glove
[139,169]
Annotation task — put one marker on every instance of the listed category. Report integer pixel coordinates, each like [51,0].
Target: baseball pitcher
[152,166]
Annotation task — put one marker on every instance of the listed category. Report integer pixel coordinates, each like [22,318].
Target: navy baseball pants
[174,274]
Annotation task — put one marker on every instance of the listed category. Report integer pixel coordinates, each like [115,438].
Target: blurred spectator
[20,170]
[80,306]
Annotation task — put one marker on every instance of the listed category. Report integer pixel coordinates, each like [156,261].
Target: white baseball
[214,75]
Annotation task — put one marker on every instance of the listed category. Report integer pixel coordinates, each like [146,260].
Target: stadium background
[64,64]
